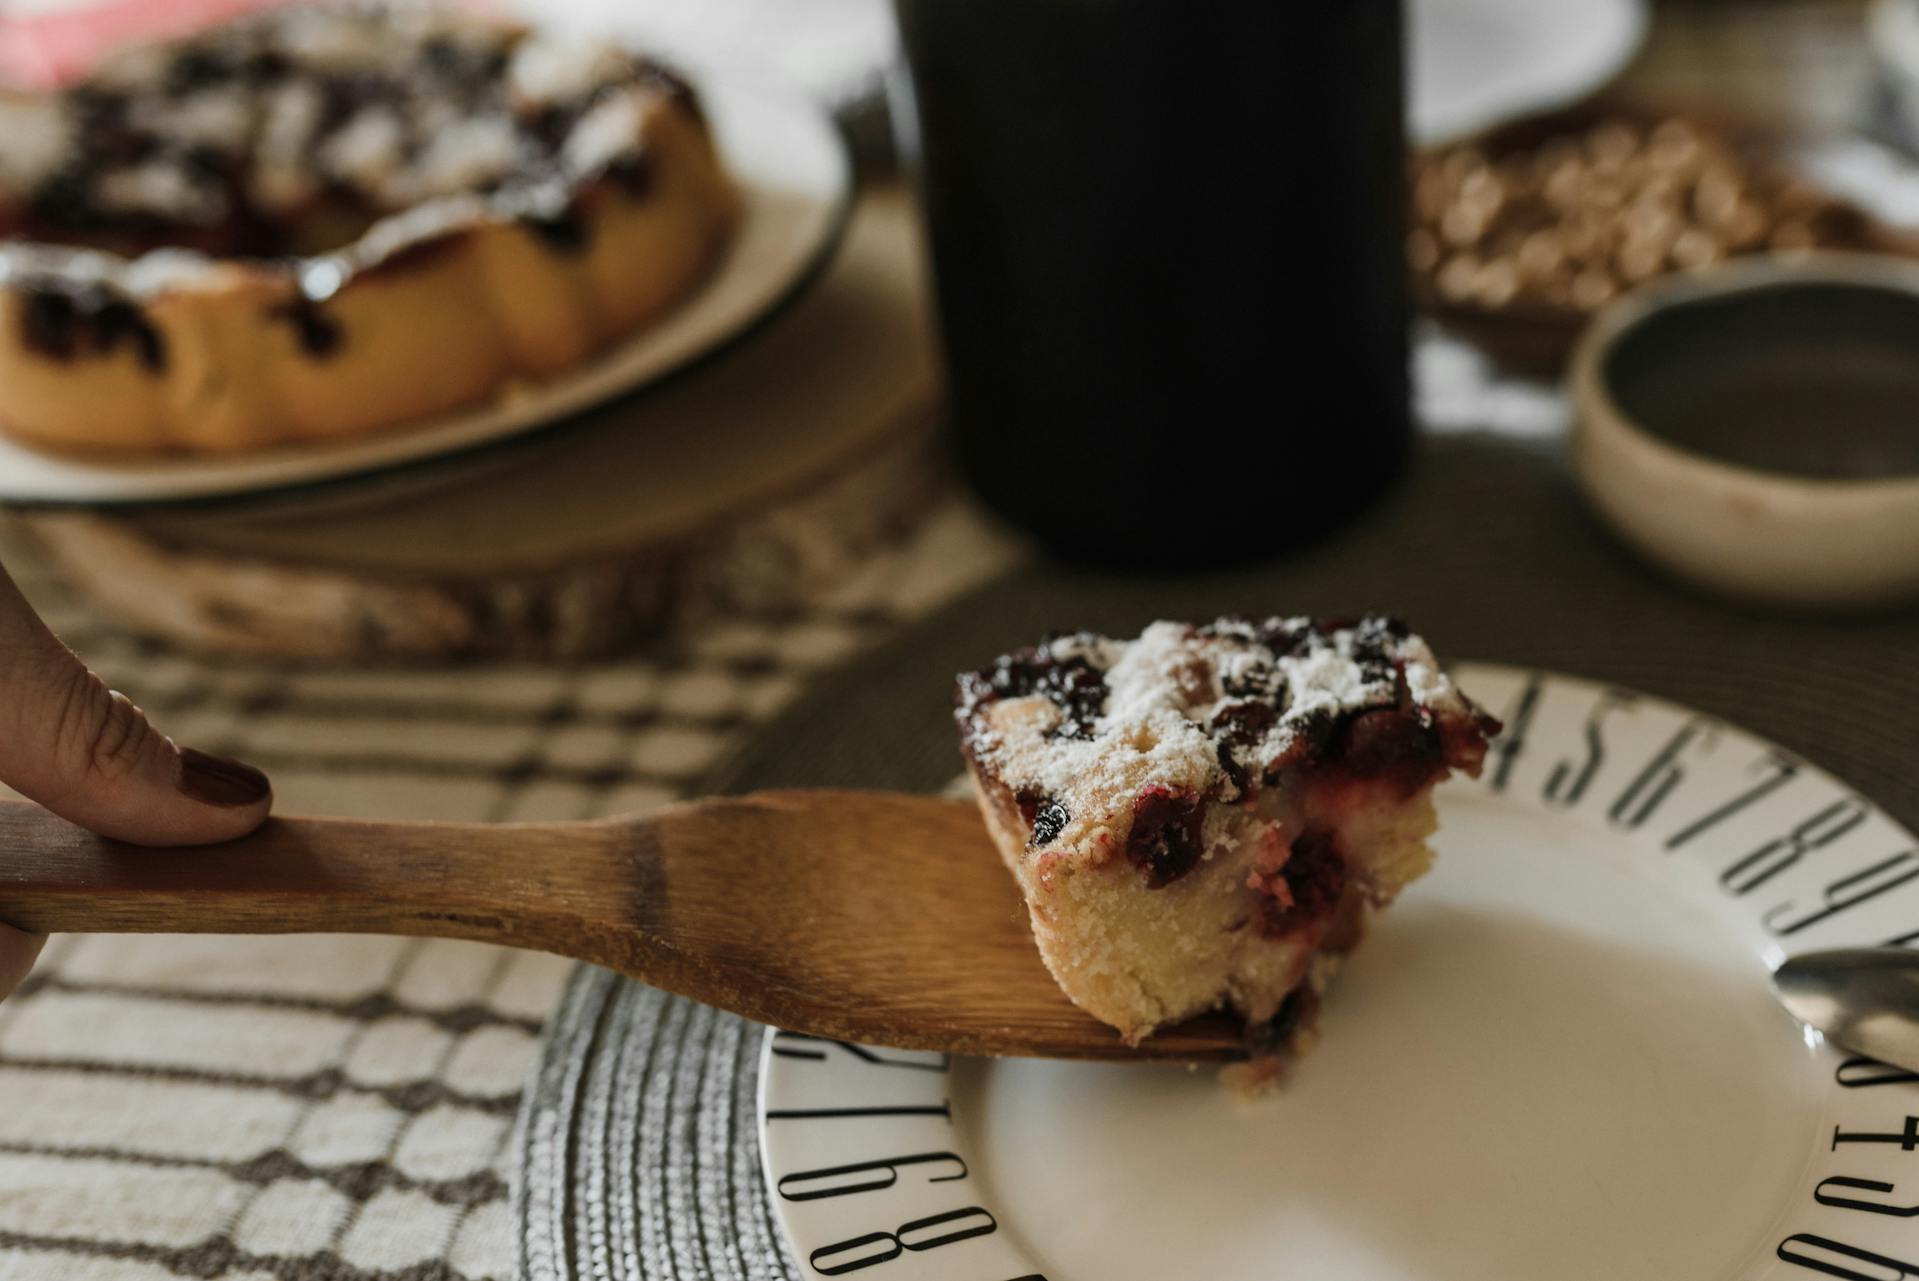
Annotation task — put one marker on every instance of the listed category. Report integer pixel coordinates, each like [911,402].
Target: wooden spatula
[860,916]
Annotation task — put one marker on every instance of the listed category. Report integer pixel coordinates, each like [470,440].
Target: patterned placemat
[339,1108]
[639,1159]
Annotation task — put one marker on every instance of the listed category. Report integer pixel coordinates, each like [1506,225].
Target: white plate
[1557,1057]
[795,179]
[1478,62]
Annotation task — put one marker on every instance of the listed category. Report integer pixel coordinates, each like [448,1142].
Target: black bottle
[1167,240]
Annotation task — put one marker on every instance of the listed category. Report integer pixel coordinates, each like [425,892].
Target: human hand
[89,755]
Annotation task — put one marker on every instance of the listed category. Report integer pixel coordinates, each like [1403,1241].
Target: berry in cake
[325,221]
[1208,816]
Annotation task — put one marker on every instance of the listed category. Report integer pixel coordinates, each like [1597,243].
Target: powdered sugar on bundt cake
[477,201]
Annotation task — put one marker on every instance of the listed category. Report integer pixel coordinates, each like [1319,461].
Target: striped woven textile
[339,1108]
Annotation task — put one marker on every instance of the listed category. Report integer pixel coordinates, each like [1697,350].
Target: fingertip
[89,755]
[180,796]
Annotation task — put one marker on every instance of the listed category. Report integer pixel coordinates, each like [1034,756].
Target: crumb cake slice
[1206,816]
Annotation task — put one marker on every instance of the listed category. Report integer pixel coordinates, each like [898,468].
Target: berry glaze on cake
[320,222]
[1206,817]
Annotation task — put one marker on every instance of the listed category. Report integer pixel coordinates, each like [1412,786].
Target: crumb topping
[1109,736]
[316,142]
[254,137]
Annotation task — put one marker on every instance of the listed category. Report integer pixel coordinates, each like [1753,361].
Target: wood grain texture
[863,916]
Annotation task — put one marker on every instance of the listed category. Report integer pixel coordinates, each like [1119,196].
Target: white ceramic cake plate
[1557,1056]
[795,178]
[1474,63]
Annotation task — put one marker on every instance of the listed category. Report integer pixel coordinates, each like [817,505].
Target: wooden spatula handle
[856,916]
[496,882]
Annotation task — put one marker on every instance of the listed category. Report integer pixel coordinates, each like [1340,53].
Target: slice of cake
[1206,816]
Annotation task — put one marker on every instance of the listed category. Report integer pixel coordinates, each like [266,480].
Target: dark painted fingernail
[215,780]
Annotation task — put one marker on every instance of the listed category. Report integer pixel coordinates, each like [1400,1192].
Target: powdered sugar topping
[39,135]
[1084,719]
[268,136]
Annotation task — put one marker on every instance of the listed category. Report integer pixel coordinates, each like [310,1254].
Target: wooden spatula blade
[896,906]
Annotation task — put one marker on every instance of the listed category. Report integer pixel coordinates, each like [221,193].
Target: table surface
[341,1107]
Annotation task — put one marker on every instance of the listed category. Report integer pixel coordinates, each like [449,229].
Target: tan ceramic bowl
[1741,514]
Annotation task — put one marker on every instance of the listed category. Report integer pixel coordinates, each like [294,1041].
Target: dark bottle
[1167,239]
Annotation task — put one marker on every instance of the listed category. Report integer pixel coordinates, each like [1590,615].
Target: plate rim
[806,271]
[1521,677]
[1457,126]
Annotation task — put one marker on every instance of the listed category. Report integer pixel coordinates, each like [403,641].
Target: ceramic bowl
[1754,429]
